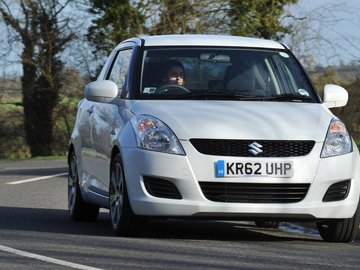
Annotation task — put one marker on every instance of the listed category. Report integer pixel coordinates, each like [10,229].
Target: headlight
[337,141]
[153,134]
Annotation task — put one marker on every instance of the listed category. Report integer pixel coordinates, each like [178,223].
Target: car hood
[239,119]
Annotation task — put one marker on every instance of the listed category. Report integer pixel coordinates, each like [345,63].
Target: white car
[237,132]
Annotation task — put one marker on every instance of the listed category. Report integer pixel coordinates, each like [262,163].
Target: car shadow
[58,221]
[216,230]
[51,221]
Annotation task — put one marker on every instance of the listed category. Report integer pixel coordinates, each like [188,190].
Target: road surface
[37,233]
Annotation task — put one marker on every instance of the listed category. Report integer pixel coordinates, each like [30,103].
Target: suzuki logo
[255,148]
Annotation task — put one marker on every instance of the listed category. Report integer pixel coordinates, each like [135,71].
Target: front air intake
[161,188]
[254,193]
[337,192]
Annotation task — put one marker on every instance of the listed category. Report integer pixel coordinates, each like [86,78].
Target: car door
[82,135]
[107,122]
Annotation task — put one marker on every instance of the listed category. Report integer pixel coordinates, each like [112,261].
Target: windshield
[222,73]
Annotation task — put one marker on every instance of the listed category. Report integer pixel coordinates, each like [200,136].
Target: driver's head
[173,73]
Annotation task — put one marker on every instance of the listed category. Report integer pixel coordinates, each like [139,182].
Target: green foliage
[115,21]
[174,17]
[54,99]
[258,18]
[12,131]
[350,114]
[325,77]
[43,36]
[12,137]
[350,80]
[121,19]
[64,120]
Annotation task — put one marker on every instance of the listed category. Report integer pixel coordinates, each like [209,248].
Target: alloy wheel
[116,194]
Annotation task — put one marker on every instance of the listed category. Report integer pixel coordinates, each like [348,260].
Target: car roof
[206,40]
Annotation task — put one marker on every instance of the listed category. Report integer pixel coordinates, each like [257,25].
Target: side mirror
[104,91]
[335,96]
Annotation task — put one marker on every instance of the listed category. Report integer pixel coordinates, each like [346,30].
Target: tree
[175,16]
[43,36]
[116,20]
[187,17]
[121,19]
[258,18]
[315,37]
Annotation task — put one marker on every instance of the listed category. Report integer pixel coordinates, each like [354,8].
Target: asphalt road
[36,233]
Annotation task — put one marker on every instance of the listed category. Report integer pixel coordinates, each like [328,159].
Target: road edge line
[45,258]
[35,179]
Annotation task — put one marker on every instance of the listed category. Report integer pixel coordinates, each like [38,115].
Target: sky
[329,32]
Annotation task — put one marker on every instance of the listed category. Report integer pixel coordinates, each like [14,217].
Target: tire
[79,210]
[267,224]
[341,230]
[123,221]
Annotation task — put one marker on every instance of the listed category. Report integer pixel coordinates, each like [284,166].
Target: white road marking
[36,179]
[46,259]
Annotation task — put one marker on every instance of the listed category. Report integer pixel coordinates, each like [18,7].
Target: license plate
[227,168]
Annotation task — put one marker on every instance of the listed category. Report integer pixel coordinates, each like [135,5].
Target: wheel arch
[70,150]
[115,150]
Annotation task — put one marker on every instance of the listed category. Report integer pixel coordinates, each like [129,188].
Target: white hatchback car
[215,127]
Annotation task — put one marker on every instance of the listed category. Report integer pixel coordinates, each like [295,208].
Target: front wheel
[123,221]
[341,230]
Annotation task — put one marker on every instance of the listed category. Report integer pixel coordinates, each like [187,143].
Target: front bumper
[185,172]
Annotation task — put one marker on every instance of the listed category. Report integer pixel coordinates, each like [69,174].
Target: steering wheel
[172,89]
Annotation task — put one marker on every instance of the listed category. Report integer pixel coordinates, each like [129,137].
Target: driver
[173,73]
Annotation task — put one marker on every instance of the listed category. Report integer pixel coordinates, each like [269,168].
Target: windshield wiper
[214,95]
[288,97]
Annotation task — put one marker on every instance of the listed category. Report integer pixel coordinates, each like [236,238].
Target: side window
[120,68]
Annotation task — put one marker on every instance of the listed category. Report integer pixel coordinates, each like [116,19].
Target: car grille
[254,193]
[337,191]
[161,188]
[240,148]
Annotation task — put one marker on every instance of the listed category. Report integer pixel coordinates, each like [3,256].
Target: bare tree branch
[315,39]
